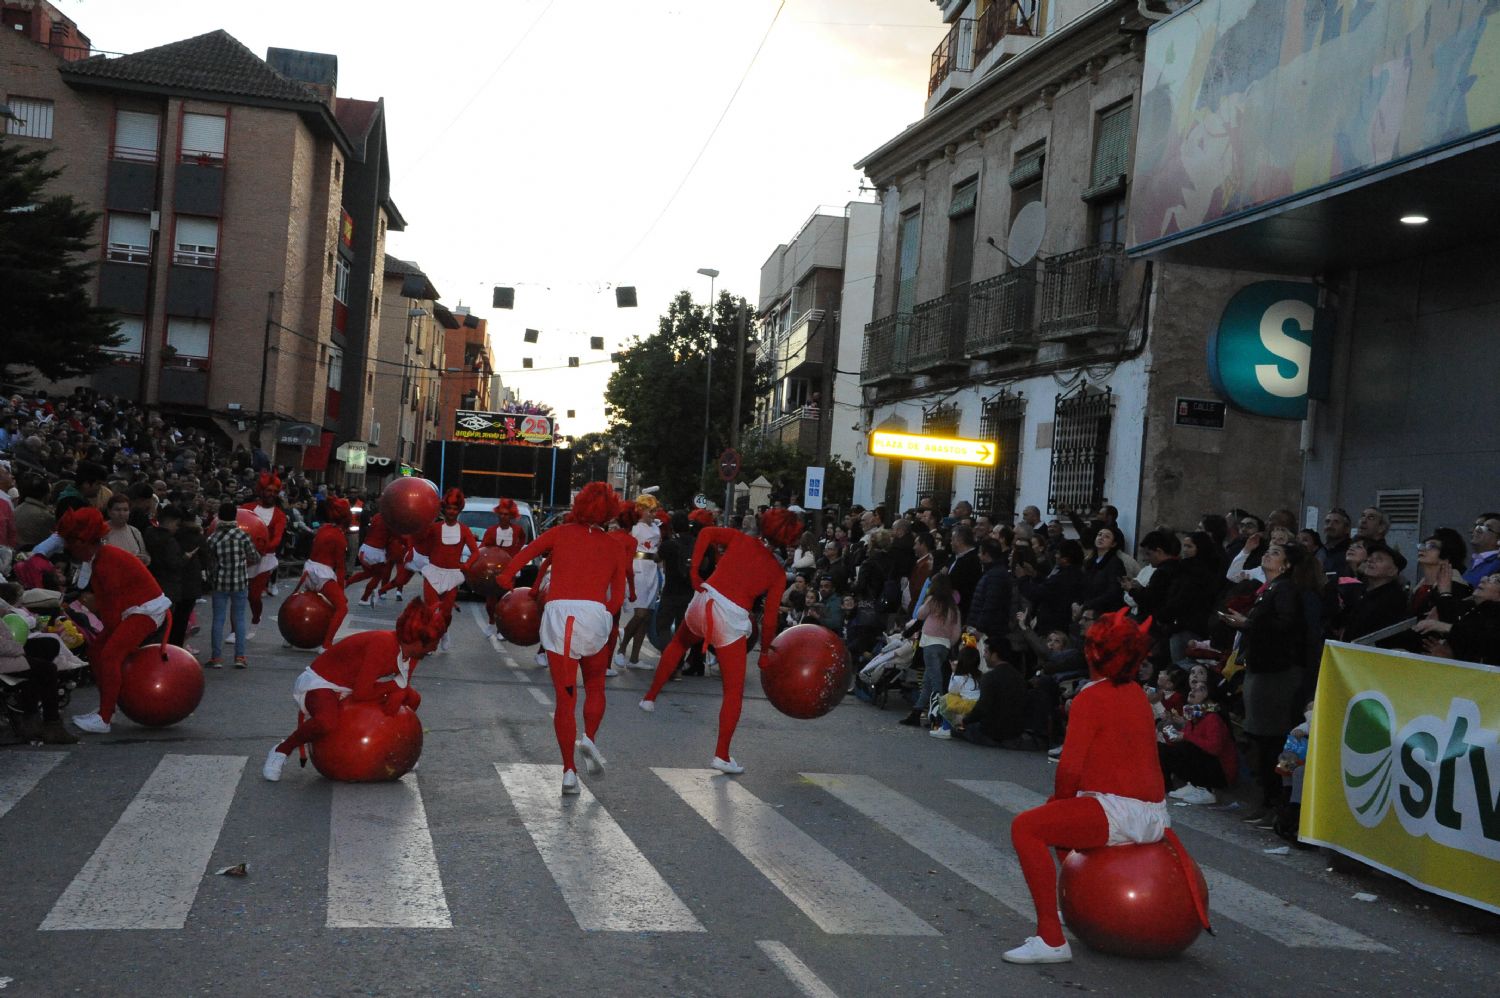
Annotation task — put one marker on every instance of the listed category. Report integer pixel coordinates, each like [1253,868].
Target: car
[478,515]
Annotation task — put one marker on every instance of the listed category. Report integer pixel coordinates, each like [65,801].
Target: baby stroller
[895,666]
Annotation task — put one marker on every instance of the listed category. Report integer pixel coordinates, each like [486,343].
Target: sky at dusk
[541,145]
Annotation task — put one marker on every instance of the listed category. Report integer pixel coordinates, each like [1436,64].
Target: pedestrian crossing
[383,871]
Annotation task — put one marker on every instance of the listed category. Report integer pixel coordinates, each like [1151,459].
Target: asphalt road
[854,857]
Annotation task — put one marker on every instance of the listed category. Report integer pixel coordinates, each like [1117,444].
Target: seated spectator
[963,692]
[1201,757]
[829,605]
[1008,713]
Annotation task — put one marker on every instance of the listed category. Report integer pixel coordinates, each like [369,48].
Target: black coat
[1377,608]
[1275,636]
[965,571]
[1054,596]
[990,614]
[1101,583]
[1476,635]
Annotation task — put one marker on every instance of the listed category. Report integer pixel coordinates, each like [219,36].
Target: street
[854,857]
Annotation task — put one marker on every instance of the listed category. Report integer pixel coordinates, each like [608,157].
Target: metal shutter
[965,196]
[203,135]
[137,134]
[1028,167]
[1111,146]
[189,336]
[129,232]
[910,240]
[31,117]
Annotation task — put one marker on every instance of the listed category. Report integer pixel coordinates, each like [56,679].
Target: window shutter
[197,232]
[965,196]
[31,117]
[1111,145]
[203,135]
[136,135]
[129,231]
[906,287]
[130,331]
[1028,167]
[189,336]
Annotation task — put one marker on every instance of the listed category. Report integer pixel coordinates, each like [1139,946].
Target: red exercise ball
[484,566]
[160,685]
[520,617]
[805,671]
[368,745]
[250,524]
[409,505]
[303,619]
[1133,900]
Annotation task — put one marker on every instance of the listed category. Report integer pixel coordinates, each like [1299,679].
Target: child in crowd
[963,690]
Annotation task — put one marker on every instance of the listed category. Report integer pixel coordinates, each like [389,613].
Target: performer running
[442,547]
[398,554]
[586,589]
[267,509]
[1109,788]
[374,565]
[124,596]
[323,571]
[646,580]
[508,536]
[719,614]
[371,665]
[620,532]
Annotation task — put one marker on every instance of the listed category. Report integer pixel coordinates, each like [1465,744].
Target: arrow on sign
[985,452]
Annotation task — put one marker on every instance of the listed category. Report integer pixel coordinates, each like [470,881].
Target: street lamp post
[708,382]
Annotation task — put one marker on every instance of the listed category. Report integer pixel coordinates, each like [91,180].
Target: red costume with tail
[507,535]
[324,570]
[443,545]
[268,510]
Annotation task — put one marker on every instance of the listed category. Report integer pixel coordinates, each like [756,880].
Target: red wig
[1116,646]
[338,509]
[84,525]
[628,516]
[595,505]
[507,507]
[419,625]
[268,482]
[781,527]
[702,517]
[454,497]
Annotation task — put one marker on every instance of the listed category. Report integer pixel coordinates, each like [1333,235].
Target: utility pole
[742,323]
[265,360]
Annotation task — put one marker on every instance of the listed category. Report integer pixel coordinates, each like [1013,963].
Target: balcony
[803,345]
[954,54]
[937,333]
[1002,314]
[797,430]
[1081,293]
[995,27]
[885,350]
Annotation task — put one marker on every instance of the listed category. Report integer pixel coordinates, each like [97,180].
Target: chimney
[319,71]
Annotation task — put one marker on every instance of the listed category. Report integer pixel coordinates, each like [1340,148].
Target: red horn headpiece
[338,509]
[507,507]
[1116,646]
[419,625]
[83,525]
[268,482]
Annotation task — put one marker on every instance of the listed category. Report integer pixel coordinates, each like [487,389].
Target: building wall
[861,241]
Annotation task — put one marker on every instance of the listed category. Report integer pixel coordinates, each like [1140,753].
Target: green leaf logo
[1368,755]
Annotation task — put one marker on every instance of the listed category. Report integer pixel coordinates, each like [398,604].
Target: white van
[479,515]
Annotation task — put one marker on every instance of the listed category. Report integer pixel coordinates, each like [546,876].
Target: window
[340,281]
[908,242]
[129,239]
[935,480]
[1109,221]
[1027,167]
[197,242]
[961,234]
[189,337]
[137,135]
[995,488]
[31,117]
[203,136]
[131,332]
[1080,445]
[338,170]
[1111,149]
[335,368]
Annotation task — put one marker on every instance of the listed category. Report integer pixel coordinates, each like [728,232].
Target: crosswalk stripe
[23,771]
[606,881]
[539,696]
[146,872]
[979,862]
[1233,898]
[382,870]
[829,891]
[800,973]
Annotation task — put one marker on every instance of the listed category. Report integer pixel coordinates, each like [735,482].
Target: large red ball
[409,505]
[520,617]
[159,689]
[805,671]
[303,619]
[1132,900]
[367,745]
[250,524]
[484,566]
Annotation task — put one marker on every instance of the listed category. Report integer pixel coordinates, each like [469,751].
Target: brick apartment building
[45,25]
[243,211]
[468,369]
[411,355]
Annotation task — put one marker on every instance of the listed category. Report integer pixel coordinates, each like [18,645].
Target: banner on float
[1403,769]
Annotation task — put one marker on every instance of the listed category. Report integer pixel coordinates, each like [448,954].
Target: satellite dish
[1026,233]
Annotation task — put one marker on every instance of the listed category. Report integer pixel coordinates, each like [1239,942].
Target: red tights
[731,670]
[400,577]
[334,594]
[258,584]
[107,660]
[431,598]
[322,717]
[379,576]
[565,686]
[1074,823]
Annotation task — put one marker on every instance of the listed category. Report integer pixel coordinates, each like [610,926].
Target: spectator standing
[34,519]
[940,625]
[1053,597]
[1383,602]
[231,556]
[1336,539]
[1475,636]
[121,534]
[964,570]
[8,536]
[991,615]
[1485,542]
[1103,574]
[169,566]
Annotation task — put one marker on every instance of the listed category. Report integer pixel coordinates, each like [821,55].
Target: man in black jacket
[1165,597]
[990,614]
[964,569]
[1009,713]
[1384,599]
[1054,596]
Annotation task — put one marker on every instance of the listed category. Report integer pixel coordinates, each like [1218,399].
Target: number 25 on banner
[917,447]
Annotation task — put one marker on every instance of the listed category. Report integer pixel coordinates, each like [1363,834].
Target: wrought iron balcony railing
[1002,314]
[1081,292]
[937,332]
[885,349]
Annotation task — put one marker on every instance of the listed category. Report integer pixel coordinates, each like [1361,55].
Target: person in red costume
[587,586]
[267,509]
[442,548]
[645,580]
[374,565]
[323,572]
[1109,788]
[621,533]
[398,554]
[120,590]
[371,665]
[719,614]
[507,535]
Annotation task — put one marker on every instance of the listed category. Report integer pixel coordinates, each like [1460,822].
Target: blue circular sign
[1266,356]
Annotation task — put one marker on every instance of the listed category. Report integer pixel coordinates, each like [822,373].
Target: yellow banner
[1403,769]
[949,450]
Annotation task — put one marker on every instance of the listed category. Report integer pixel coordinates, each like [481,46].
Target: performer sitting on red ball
[719,614]
[371,665]
[122,593]
[586,589]
[1109,788]
[442,546]
[508,536]
[267,509]
[324,570]
[374,565]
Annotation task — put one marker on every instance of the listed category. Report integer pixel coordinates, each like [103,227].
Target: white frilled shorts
[1131,821]
[717,620]
[575,628]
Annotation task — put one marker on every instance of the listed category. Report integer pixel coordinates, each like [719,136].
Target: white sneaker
[611,672]
[541,658]
[272,769]
[1034,950]
[250,634]
[488,630]
[649,706]
[592,760]
[1195,795]
[619,660]
[726,766]
[398,596]
[1055,753]
[943,733]
[570,784]
[445,643]
[92,723]
[364,602]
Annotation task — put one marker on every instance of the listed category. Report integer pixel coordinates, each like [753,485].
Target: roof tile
[213,63]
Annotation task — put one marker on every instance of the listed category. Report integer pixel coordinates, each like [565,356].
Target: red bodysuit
[130,604]
[443,544]
[260,577]
[324,573]
[509,539]
[365,666]
[374,564]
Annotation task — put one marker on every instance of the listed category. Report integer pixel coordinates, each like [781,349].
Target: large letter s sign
[1298,353]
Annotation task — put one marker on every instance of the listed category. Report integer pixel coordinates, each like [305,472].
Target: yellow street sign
[949,450]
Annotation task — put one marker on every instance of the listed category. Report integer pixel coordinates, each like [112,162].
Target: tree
[656,394]
[50,326]
[592,453]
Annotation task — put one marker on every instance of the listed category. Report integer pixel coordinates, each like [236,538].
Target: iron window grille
[1080,447]
[1003,418]
[935,480]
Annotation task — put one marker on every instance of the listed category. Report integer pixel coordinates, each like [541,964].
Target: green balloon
[18,628]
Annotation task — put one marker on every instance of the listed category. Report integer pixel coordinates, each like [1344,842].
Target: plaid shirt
[232,553]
